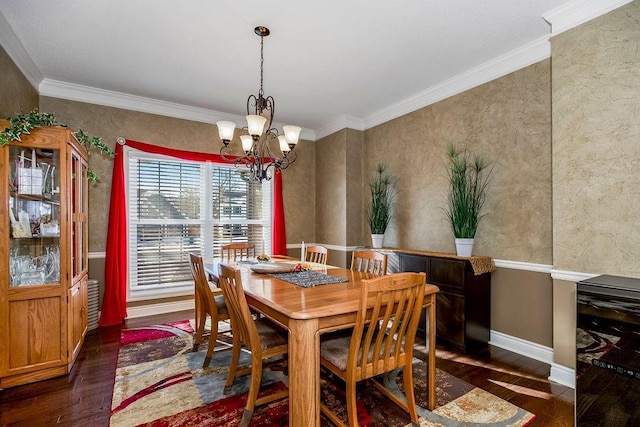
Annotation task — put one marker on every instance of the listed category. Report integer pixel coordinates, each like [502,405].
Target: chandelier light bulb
[226,130]
[292,133]
[247,142]
[255,124]
[284,146]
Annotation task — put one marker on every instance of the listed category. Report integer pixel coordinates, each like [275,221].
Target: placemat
[308,279]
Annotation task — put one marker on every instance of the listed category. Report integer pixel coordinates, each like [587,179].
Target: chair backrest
[369,262]
[235,251]
[202,289]
[397,310]
[242,323]
[318,254]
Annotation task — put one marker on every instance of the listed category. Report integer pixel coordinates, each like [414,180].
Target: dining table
[309,311]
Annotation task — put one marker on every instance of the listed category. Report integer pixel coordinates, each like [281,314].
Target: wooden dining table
[307,312]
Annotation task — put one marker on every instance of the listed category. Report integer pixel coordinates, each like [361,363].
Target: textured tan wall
[596,145]
[354,185]
[331,185]
[16,93]
[110,123]
[507,121]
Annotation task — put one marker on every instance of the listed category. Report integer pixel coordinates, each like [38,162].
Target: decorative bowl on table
[271,267]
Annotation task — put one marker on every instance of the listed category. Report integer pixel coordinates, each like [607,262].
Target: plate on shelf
[271,267]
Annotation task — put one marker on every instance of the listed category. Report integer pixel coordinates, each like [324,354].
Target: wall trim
[153,309]
[527,266]
[518,345]
[570,276]
[97,255]
[91,95]
[563,375]
[577,12]
[18,54]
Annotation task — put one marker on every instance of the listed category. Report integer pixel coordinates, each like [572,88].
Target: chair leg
[256,379]
[212,341]
[410,394]
[233,367]
[201,319]
[352,409]
[246,417]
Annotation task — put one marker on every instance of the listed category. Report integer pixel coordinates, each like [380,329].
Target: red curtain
[114,304]
[279,233]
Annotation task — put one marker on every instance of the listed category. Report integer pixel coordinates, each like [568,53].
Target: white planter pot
[464,247]
[376,240]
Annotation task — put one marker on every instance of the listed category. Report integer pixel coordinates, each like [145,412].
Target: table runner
[308,279]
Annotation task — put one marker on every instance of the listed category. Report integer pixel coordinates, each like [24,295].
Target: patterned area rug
[160,382]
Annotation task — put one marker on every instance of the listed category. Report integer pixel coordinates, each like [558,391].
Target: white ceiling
[327,63]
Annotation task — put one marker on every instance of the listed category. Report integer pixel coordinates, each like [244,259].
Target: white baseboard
[559,374]
[520,346]
[153,309]
[563,375]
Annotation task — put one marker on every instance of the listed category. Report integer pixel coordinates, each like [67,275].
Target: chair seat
[220,304]
[271,335]
[335,350]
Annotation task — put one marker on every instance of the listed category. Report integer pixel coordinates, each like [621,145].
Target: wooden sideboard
[463,307]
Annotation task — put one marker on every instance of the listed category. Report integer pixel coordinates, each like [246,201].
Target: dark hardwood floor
[83,398]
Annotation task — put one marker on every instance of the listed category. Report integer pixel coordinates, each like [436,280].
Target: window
[177,207]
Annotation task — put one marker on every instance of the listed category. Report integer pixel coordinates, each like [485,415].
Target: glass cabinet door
[79,214]
[34,215]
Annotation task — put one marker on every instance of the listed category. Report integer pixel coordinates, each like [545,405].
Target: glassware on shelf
[53,264]
[27,270]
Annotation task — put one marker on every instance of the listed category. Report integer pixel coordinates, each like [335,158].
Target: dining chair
[208,302]
[373,262]
[236,251]
[371,351]
[263,338]
[317,254]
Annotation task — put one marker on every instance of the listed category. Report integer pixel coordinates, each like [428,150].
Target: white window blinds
[177,207]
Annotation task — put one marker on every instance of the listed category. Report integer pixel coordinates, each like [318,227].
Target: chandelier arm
[225,151]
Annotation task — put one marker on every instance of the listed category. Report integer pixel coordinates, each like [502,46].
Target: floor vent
[93,309]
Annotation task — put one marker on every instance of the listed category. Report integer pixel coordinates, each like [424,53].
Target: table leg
[431,366]
[304,373]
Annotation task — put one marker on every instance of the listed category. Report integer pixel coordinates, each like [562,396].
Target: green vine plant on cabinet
[22,124]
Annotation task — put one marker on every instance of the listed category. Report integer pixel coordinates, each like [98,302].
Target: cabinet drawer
[446,272]
[413,263]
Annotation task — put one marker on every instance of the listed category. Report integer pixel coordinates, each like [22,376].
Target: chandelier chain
[261,64]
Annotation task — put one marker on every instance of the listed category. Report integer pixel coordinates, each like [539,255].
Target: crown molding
[576,12]
[340,123]
[91,95]
[514,60]
[12,45]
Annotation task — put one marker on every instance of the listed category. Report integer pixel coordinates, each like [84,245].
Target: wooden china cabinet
[43,255]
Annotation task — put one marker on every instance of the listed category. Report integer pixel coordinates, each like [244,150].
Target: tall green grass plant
[468,178]
[382,197]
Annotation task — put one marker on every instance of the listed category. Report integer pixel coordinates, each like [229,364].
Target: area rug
[160,381]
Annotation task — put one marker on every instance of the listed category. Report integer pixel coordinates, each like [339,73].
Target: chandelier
[259,140]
